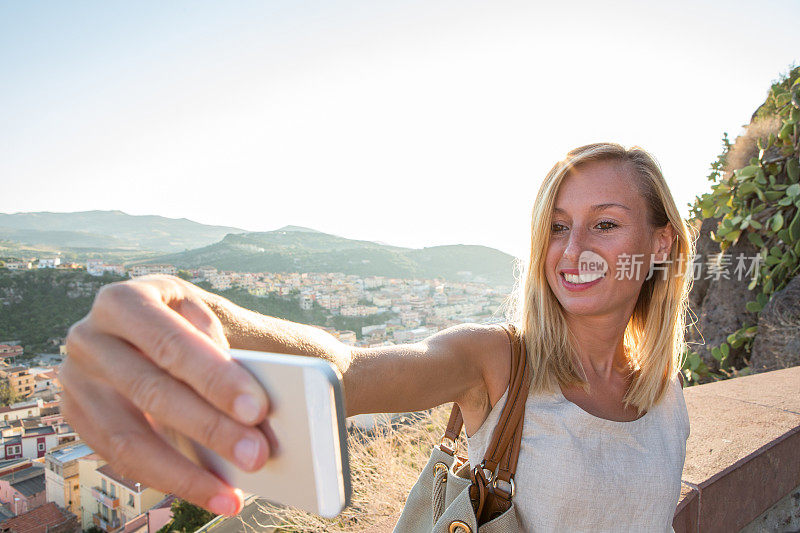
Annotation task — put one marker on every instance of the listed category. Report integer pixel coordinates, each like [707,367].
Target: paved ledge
[743,452]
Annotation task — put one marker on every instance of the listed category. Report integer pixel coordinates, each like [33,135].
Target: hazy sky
[409,122]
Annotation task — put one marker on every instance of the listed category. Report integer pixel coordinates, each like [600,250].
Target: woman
[605,424]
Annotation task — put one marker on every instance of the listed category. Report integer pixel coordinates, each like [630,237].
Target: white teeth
[583,278]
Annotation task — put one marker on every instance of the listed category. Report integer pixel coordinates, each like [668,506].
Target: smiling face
[599,219]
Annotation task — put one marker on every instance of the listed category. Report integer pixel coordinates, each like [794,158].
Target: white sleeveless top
[579,472]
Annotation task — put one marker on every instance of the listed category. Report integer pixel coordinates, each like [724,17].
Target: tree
[7,394]
[186,517]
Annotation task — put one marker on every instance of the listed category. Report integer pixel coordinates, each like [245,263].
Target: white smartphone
[308,467]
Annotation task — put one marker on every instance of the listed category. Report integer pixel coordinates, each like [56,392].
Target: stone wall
[784,516]
[743,453]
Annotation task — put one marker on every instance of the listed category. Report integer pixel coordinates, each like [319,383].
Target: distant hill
[293,249]
[109,230]
[115,235]
[297,228]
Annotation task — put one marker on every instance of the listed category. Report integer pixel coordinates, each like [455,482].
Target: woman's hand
[151,353]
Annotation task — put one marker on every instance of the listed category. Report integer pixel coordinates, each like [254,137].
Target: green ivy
[696,371]
[717,171]
[759,202]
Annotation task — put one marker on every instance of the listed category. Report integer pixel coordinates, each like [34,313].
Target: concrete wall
[784,516]
[743,454]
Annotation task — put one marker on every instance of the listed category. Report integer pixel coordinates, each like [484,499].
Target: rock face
[718,302]
[777,344]
[704,247]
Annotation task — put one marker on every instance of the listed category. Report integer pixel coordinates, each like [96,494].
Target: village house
[98,267]
[19,265]
[46,382]
[144,270]
[109,500]
[30,442]
[62,482]
[19,380]
[47,518]
[10,350]
[22,490]
[48,262]
[21,410]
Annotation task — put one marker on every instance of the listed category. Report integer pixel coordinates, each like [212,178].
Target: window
[103,485]
[130,500]
[113,490]
[40,446]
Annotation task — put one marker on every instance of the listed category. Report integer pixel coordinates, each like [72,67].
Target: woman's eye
[605,225]
[609,225]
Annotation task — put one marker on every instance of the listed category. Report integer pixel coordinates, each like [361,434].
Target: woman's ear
[663,239]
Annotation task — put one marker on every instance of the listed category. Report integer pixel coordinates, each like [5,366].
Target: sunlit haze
[411,123]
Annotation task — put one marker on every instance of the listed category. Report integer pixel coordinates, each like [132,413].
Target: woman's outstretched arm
[388,379]
[153,351]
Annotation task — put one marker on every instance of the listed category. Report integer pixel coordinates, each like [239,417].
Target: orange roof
[106,470]
[37,520]
[8,409]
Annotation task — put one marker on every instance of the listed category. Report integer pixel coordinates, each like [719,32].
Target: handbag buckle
[485,473]
[501,491]
[448,445]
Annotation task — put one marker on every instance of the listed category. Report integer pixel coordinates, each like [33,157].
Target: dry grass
[384,465]
[745,148]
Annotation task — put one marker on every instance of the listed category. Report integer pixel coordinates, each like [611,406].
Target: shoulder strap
[503,449]
[488,499]
[456,421]
[454,425]
[514,408]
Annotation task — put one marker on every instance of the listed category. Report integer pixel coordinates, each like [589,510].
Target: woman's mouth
[580,282]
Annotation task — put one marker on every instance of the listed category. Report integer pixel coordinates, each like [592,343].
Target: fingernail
[246,452]
[247,408]
[222,504]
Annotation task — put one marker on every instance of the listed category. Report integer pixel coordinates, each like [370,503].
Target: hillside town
[51,480]
[415,308]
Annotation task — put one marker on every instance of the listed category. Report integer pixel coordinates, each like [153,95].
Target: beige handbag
[450,496]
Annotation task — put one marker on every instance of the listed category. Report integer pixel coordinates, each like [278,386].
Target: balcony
[105,525]
[109,501]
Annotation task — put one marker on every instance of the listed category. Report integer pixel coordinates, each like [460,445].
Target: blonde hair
[654,336]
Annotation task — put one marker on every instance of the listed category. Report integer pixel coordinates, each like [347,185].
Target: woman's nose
[575,245]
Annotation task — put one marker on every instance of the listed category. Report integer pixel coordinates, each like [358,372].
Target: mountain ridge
[299,251]
[188,244]
[112,229]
